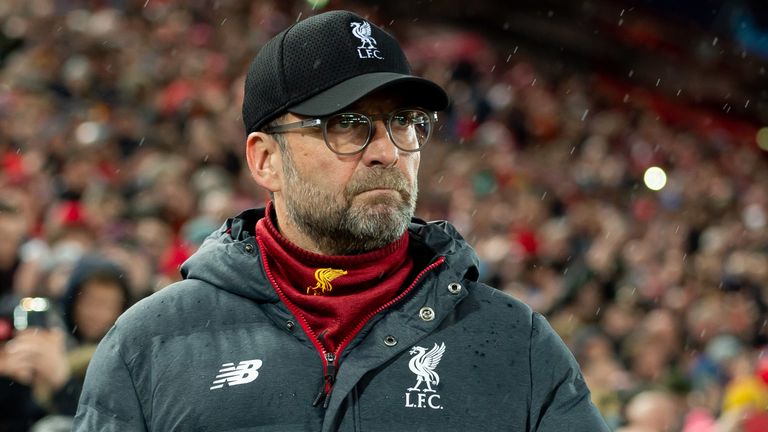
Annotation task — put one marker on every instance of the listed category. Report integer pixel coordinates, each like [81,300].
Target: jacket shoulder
[499,303]
[173,308]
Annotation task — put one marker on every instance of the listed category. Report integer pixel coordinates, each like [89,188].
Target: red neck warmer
[332,295]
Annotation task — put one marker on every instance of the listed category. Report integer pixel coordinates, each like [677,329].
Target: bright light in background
[762,138]
[655,178]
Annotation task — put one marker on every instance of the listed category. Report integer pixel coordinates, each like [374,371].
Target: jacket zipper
[328,358]
[329,376]
[330,366]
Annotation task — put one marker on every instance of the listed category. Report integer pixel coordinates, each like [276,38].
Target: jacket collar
[229,258]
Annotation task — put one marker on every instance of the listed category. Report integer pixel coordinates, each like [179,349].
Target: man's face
[348,204]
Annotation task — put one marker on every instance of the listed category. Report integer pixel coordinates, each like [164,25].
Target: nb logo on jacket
[423,364]
[246,371]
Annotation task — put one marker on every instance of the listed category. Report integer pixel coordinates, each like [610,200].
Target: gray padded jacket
[219,351]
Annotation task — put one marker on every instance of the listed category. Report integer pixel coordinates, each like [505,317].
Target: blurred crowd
[121,148]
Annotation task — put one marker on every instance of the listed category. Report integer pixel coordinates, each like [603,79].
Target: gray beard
[340,226]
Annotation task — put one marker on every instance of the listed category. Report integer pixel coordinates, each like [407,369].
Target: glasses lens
[410,129]
[347,133]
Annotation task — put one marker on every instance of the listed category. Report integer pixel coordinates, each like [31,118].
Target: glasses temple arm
[295,125]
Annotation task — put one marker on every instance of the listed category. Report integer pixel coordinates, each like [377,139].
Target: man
[332,309]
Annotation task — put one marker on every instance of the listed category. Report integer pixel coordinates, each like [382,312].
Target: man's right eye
[345,122]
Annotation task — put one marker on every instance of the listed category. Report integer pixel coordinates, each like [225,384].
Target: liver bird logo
[423,364]
[324,277]
[362,31]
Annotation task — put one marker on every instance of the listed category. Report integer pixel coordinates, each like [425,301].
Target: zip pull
[329,377]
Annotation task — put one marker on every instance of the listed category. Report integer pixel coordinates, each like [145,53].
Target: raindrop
[509,57]
[298,17]
[658,81]
[621,13]
[631,72]
[621,21]
[746,104]
[584,116]
[550,13]
[626,98]
[506,26]
[391,22]
[679,91]
[141,142]
[493,68]
[565,272]
[597,312]
[515,51]
[474,212]
[714,41]
[573,149]
[146,3]
[544,195]
[223,21]
[440,180]
[533,82]
[685,256]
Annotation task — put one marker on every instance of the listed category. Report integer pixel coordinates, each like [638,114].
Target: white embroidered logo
[243,373]
[367,48]
[423,364]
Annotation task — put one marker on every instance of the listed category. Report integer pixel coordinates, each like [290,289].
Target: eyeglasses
[349,133]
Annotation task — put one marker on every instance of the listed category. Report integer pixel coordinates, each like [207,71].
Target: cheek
[411,167]
[327,174]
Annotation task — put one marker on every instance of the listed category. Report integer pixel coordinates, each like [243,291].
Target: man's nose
[381,150]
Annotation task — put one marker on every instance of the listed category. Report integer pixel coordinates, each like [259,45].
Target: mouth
[379,190]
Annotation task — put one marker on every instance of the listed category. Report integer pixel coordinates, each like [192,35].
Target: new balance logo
[245,372]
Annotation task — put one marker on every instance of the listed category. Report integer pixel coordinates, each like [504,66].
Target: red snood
[334,295]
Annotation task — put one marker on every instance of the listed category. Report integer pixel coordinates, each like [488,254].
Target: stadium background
[121,137]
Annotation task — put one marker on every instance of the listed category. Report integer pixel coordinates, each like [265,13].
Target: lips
[379,181]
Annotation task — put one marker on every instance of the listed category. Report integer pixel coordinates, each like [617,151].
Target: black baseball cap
[325,63]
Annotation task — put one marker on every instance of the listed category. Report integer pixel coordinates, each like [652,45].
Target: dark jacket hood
[233,246]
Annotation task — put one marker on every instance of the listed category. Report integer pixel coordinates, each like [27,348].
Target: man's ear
[264,160]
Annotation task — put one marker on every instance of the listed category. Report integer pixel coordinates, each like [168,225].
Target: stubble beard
[346,223]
